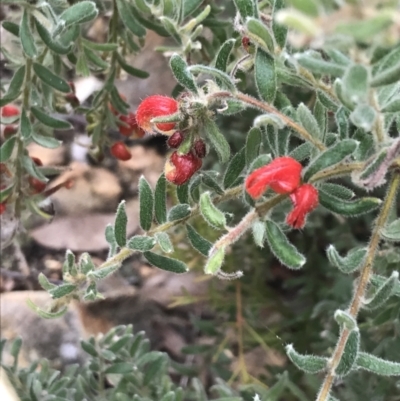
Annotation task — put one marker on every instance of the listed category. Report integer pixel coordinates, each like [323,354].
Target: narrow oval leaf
[224,52]
[26,37]
[45,141]
[224,79]
[363,116]
[104,272]
[78,13]
[235,167]
[387,76]
[141,243]
[382,293]
[350,354]
[183,76]
[349,263]
[49,78]
[344,319]
[164,242]
[49,121]
[209,181]
[265,75]
[179,212]
[356,83]
[215,261]
[11,27]
[48,40]
[308,121]
[377,365]
[339,191]
[334,155]
[135,72]
[146,202]
[253,144]
[212,215]
[182,192]
[319,66]
[346,208]
[121,220]
[279,30]
[307,363]
[392,231]
[160,206]
[260,35]
[280,246]
[14,89]
[198,242]
[259,229]
[246,8]
[7,148]
[217,140]
[164,263]
[62,290]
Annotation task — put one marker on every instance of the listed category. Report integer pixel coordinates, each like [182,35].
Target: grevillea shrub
[294,108]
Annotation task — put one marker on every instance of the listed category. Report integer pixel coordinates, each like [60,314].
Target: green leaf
[164,242]
[260,161]
[356,83]
[342,122]
[26,37]
[128,17]
[392,106]
[280,246]
[141,243]
[253,144]
[319,66]
[224,79]
[135,72]
[374,164]
[182,192]
[44,314]
[86,263]
[387,76]
[307,363]
[11,27]
[102,273]
[120,368]
[246,8]
[224,52]
[49,78]
[165,263]
[32,169]
[49,41]
[78,13]
[94,59]
[350,209]
[211,214]
[350,353]
[259,232]
[197,241]
[146,201]
[6,192]
[235,167]
[181,72]
[339,191]
[260,35]
[7,148]
[377,365]
[170,27]
[49,121]
[209,181]
[45,141]
[383,293]
[302,152]
[392,231]
[14,88]
[217,140]
[160,207]
[121,220]
[363,116]
[62,290]
[265,75]
[89,348]
[16,347]
[179,212]
[215,261]
[332,156]
[308,121]
[45,283]
[100,47]
[329,102]
[279,30]
[345,320]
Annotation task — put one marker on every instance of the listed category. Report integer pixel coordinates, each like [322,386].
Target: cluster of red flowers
[283,175]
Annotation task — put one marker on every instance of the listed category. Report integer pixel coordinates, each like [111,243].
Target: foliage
[324,80]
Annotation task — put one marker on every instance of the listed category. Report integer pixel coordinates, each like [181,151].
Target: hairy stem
[364,278]
[257,104]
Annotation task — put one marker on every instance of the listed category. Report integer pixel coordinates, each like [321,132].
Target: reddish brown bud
[9,130]
[175,140]
[36,185]
[132,127]
[200,148]
[120,151]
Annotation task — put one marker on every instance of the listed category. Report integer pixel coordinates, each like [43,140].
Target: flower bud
[180,168]
[36,185]
[9,111]
[3,207]
[200,148]
[156,106]
[175,140]
[120,151]
[9,130]
[305,200]
[132,127]
[282,175]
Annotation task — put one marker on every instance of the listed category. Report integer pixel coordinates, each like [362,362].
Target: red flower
[9,111]
[3,207]
[132,128]
[175,140]
[282,175]
[9,130]
[305,200]
[120,151]
[200,148]
[156,106]
[180,168]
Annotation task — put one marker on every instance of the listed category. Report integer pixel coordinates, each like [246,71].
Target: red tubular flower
[282,175]
[133,128]
[9,111]
[305,200]
[156,106]
[180,168]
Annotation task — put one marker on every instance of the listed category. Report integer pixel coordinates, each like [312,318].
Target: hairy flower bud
[199,148]
[9,111]
[180,168]
[305,200]
[282,175]
[132,128]
[120,151]
[175,140]
[156,106]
